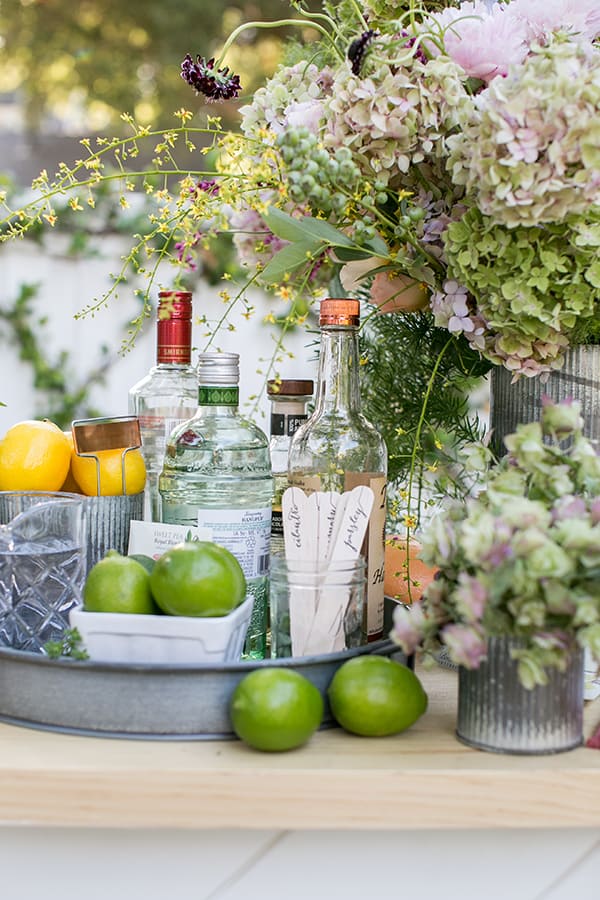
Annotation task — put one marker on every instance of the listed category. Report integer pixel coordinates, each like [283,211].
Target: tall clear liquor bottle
[338,449]
[217,476]
[289,398]
[168,394]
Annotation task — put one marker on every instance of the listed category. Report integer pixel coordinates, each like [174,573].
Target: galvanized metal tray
[152,702]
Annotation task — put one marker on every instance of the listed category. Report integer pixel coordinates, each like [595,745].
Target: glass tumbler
[328,598]
[42,565]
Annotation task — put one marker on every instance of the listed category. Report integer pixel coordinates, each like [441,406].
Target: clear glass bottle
[338,449]
[168,394]
[217,476]
[289,398]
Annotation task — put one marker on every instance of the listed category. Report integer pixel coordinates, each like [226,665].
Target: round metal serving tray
[159,702]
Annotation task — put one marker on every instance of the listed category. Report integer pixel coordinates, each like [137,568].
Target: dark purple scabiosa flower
[419,53]
[358,48]
[214,84]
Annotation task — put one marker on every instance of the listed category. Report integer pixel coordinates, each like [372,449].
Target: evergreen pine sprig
[415,386]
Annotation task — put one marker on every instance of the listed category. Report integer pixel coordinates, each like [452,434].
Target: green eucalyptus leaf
[288,259]
[378,246]
[284,226]
[306,228]
[350,254]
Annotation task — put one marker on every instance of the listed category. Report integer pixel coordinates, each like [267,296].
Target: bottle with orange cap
[338,448]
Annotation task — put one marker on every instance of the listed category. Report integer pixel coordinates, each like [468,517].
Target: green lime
[118,584]
[275,709]
[197,578]
[146,561]
[376,696]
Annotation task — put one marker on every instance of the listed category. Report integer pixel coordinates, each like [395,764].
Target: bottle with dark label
[338,449]
[289,398]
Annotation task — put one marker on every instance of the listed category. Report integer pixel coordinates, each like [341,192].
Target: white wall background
[67,285]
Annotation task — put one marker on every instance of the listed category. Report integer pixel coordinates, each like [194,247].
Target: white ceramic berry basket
[123,637]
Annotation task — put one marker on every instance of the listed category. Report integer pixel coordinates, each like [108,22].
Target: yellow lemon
[85,472]
[69,484]
[34,456]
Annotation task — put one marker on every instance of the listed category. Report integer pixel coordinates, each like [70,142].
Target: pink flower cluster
[486,40]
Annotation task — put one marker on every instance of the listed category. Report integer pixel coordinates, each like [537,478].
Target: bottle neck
[173,342]
[338,385]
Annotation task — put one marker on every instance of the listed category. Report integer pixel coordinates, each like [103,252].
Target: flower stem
[279,23]
[413,457]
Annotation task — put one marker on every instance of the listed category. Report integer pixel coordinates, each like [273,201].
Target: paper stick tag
[353,524]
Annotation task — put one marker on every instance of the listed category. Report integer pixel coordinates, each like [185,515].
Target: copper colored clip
[106,433]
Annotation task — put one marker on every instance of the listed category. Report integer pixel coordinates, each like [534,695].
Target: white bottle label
[244,532]
[155,538]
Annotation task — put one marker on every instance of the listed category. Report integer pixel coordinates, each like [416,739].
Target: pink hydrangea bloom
[409,627]
[471,597]
[466,644]
[485,41]
[306,114]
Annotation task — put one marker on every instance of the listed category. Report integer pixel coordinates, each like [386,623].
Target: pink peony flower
[353,274]
[581,17]
[484,41]
[398,293]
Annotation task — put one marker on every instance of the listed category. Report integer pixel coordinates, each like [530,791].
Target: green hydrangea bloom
[529,149]
[532,285]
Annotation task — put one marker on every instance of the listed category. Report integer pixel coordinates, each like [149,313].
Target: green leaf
[378,246]
[288,259]
[349,254]
[306,228]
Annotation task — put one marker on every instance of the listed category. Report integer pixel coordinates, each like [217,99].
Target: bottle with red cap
[338,449]
[168,394]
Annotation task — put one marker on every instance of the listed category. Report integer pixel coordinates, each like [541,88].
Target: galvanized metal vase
[495,711]
[512,404]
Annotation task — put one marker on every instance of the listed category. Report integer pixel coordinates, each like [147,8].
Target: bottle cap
[174,304]
[218,368]
[336,311]
[290,387]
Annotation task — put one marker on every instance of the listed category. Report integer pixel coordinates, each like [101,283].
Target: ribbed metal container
[512,404]
[109,520]
[495,711]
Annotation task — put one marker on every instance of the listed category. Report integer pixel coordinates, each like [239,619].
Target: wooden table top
[423,778]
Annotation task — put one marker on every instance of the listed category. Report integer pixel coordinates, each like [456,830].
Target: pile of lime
[277,708]
[272,708]
[195,578]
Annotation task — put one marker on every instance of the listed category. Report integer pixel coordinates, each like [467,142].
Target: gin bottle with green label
[217,476]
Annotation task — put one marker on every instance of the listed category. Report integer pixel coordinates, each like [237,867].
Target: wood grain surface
[423,778]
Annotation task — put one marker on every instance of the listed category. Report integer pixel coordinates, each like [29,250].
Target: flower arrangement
[449,161]
[521,559]
[439,160]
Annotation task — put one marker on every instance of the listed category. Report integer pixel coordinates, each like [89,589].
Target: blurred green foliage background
[72,68]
